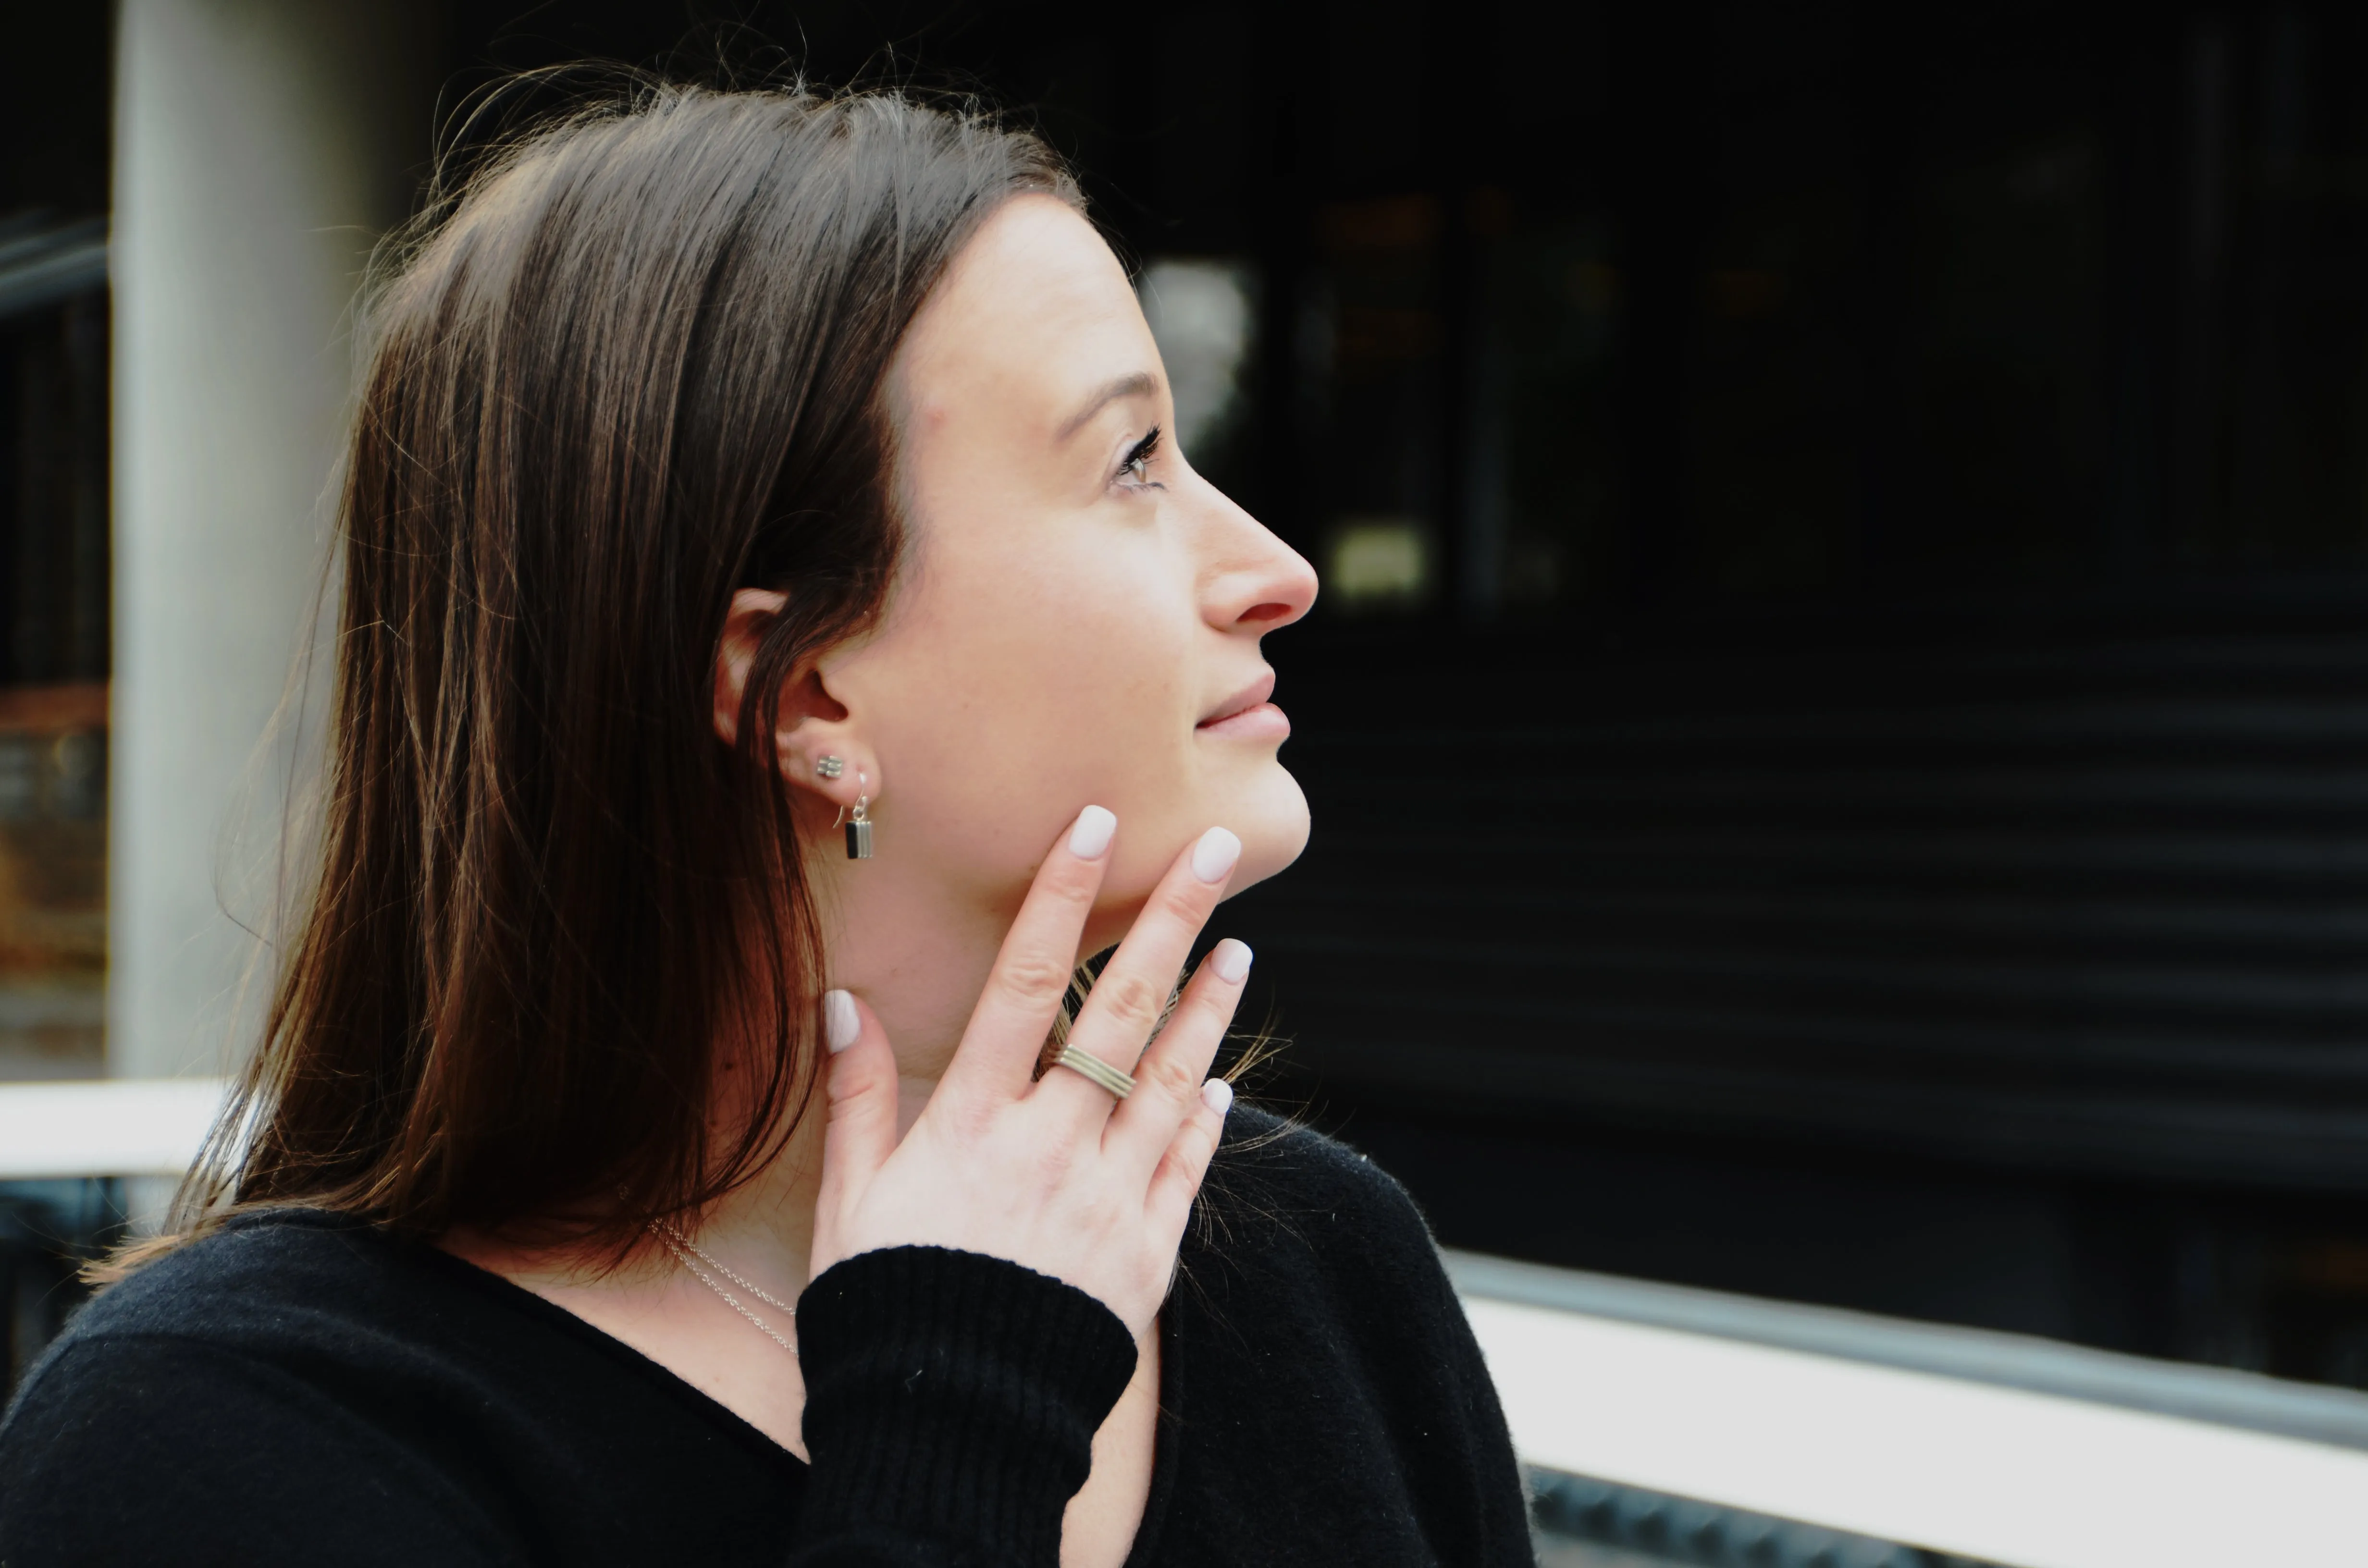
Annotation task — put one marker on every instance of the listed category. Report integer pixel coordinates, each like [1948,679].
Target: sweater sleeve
[951,1400]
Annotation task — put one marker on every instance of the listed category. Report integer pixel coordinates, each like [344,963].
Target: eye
[1135,469]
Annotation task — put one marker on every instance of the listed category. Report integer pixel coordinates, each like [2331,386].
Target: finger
[861,1086]
[1176,1182]
[1133,990]
[998,1054]
[1168,1080]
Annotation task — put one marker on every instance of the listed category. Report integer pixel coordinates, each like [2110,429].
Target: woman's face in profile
[1078,621]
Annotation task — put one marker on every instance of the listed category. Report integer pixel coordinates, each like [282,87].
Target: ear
[812,724]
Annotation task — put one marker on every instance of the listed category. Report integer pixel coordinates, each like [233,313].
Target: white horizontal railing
[1826,1417]
[2017,1451]
[120,1127]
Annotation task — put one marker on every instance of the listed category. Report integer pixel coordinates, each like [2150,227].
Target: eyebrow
[1139,385]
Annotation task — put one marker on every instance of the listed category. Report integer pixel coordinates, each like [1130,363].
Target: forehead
[1035,312]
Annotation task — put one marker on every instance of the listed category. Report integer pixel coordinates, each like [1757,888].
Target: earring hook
[862,800]
[858,827]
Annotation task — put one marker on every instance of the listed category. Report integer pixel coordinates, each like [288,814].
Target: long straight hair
[635,363]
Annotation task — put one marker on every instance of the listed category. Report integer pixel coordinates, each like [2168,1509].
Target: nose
[1259,583]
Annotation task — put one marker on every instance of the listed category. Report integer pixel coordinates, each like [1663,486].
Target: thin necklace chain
[671,1232]
[685,1249]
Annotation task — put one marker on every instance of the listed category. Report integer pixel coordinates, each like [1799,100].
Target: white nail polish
[1215,854]
[1092,834]
[1232,960]
[1218,1096]
[841,1022]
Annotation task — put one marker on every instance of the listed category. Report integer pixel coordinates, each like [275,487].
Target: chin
[1273,823]
[1268,812]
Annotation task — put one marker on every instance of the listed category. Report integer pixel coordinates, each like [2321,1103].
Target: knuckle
[1205,1138]
[1033,978]
[1167,1076]
[848,1089]
[1171,1196]
[1064,882]
[1190,1153]
[1184,905]
[1132,999]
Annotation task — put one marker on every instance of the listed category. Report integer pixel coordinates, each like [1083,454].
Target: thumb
[861,1086]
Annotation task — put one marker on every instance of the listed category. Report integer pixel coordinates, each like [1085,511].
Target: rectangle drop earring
[858,831]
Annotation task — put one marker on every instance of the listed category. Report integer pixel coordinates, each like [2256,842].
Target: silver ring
[1119,1084]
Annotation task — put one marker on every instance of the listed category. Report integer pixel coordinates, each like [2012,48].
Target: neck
[918,958]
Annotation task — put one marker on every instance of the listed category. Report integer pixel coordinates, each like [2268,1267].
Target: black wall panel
[2074,899]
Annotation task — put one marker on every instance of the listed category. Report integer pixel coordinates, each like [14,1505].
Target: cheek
[1032,684]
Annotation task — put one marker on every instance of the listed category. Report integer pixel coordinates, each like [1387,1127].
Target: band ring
[1119,1084]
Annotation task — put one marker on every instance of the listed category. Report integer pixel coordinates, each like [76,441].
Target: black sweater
[299,1389]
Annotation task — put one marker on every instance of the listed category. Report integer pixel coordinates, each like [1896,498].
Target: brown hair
[634,364]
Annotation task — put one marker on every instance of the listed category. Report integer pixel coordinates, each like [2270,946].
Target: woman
[779,638]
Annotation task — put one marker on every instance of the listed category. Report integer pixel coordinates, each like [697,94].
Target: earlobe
[818,745]
[817,740]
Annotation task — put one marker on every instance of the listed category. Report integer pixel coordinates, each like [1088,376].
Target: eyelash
[1137,461]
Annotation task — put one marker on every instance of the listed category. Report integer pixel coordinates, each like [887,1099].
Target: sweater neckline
[1166,1447]
[518,1298]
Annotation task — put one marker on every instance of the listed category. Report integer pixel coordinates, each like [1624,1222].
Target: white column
[261,147]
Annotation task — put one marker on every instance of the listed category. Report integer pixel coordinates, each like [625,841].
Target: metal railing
[1989,1445]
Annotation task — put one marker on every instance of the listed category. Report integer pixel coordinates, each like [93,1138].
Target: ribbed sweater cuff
[953,1395]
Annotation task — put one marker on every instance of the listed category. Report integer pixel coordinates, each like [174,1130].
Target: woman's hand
[1056,1174]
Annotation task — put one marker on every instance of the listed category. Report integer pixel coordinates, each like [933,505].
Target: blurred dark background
[1839,723]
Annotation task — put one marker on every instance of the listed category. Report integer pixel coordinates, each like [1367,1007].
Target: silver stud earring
[828,766]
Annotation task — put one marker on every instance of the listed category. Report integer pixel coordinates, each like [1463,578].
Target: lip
[1247,715]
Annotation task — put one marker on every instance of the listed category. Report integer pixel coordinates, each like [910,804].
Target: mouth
[1247,715]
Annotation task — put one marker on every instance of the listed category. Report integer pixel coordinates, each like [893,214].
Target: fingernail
[1218,1096]
[1215,854]
[841,1022]
[1092,834]
[1232,960]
